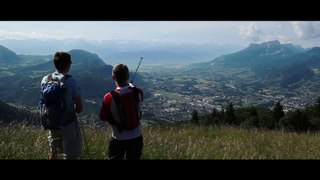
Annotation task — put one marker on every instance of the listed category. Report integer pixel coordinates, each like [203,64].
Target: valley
[259,75]
[175,93]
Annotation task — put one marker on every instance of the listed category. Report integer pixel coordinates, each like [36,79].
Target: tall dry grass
[172,142]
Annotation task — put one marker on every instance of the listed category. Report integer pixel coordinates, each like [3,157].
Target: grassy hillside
[173,142]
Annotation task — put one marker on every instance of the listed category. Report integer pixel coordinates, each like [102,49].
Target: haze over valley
[260,74]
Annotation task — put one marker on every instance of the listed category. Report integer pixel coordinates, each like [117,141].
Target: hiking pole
[85,140]
[136,70]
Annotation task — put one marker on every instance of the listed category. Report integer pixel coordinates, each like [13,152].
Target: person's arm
[105,113]
[78,103]
[141,94]
[76,96]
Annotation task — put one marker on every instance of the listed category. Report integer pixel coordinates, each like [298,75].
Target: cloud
[251,32]
[34,35]
[21,35]
[307,30]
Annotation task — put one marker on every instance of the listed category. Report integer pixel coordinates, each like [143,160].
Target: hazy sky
[241,33]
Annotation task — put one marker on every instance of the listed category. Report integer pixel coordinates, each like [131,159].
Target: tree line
[299,120]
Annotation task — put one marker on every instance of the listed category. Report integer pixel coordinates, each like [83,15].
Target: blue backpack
[52,102]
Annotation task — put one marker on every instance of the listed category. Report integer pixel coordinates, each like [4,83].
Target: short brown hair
[61,60]
[121,72]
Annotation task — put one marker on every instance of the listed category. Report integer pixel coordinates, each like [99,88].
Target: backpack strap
[64,78]
[49,77]
[116,98]
[136,94]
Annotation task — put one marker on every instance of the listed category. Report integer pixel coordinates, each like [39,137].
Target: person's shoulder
[68,76]
[70,79]
[107,97]
[134,86]
[139,89]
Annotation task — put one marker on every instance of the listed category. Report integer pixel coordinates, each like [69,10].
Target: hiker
[66,139]
[121,109]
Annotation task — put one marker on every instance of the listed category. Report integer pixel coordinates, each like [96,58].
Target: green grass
[170,95]
[173,142]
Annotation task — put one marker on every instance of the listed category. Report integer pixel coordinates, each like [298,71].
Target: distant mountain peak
[274,42]
[78,51]
[275,47]
[268,43]
[257,54]
[82,59]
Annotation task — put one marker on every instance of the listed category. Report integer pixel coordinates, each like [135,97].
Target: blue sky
[241,33]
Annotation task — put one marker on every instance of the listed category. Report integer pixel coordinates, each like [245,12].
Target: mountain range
[291,63]
[21,84]
[128,52]
[256,54]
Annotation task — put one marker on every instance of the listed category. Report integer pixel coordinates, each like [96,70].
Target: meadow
[179,141]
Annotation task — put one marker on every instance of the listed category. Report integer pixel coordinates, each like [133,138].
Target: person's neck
[124,84]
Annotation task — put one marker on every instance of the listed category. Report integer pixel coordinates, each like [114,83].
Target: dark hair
[121,72]
[61,60]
